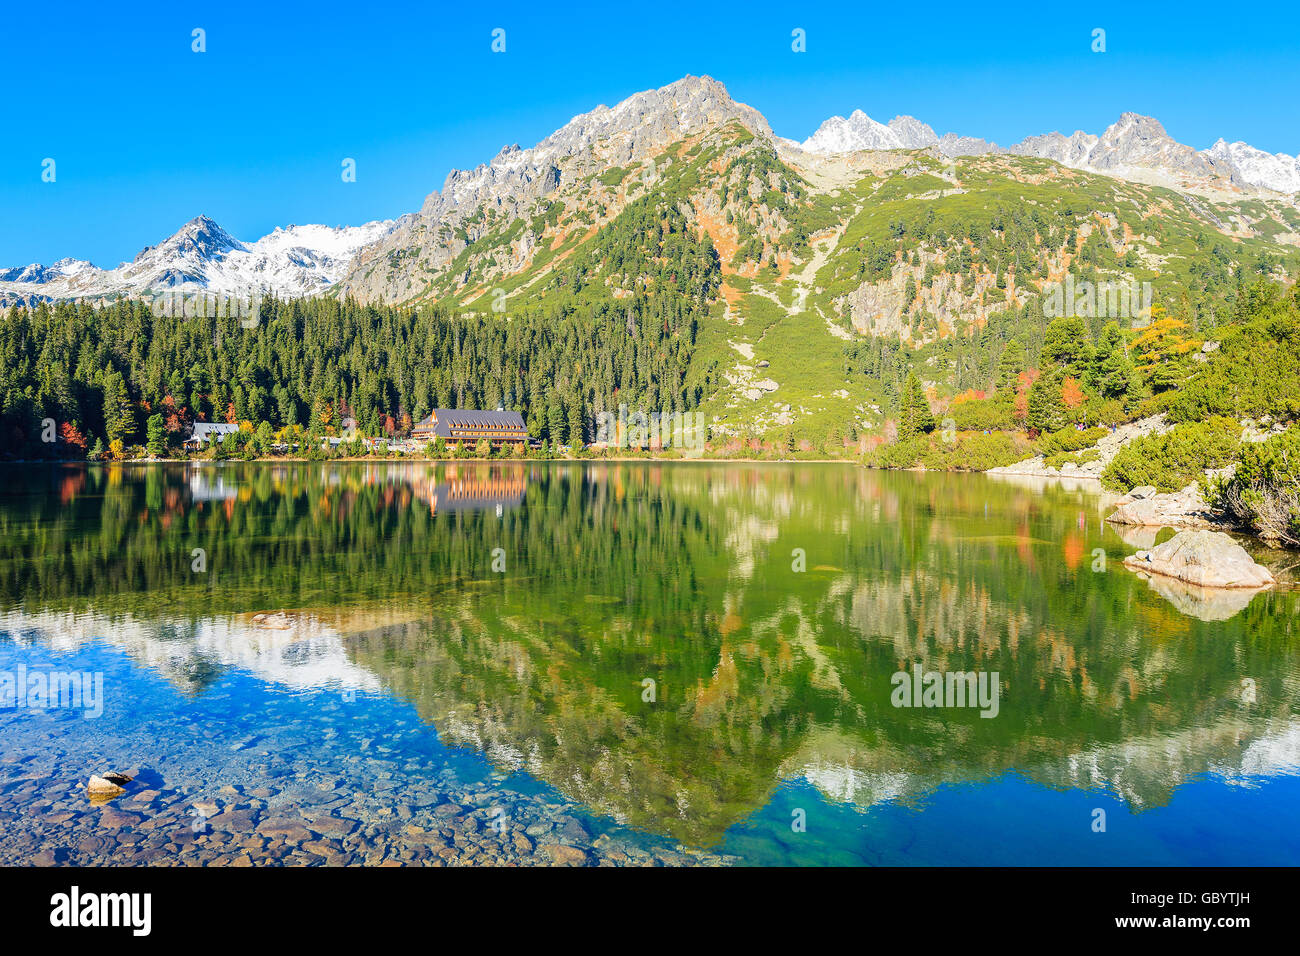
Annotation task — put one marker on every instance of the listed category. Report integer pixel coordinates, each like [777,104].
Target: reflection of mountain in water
[304,653]
[765,669]
[780,702]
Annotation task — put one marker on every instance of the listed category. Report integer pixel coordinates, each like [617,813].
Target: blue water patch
[1009,821]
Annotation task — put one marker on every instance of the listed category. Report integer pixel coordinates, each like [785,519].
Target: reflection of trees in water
[789,675]
[683,574]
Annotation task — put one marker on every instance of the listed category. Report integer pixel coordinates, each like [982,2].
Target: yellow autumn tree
[1162,351]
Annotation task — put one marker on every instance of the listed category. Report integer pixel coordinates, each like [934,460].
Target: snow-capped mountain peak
[200,237]
[1276,171]
[201,256]
[860,131]
[1134,146]
[39,273]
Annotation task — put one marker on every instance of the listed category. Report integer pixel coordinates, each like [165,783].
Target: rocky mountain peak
[1135,146]
[859,131]
[200,237]
[1276,171]
[597,151]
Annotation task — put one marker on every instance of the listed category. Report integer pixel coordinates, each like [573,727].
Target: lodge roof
[448,422]
[204,429]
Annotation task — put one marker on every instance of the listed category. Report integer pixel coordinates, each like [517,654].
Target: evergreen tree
[1046,412]
[915,417]
[555,421]
[1113,374]
[156,441]
[576,429]
[263,438]
[1068,345]
[119,422]
[1011,364]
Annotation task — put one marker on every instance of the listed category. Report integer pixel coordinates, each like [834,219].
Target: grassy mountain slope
[795,262]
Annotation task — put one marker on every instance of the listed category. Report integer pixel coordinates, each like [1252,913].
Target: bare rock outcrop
[1143,507]
[1206,559]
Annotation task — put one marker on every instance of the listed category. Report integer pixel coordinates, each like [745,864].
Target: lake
[657,663]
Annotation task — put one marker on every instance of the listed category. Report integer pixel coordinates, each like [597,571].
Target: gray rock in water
[1207,559]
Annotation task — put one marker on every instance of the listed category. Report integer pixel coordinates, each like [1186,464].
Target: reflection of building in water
[477,489]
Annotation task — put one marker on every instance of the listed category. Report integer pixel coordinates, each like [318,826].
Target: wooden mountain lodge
[470,425]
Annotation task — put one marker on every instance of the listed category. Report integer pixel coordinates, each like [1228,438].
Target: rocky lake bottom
[329,779]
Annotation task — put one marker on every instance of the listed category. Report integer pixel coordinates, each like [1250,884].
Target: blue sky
[147,134]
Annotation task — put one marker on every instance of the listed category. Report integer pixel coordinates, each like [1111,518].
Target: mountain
[1135,147]
[673,253]
[435,251]
[682,207]
[809,251]
[432,251]
[39,273]
[202,257]
[860,131]
[1276,171]
[591,145]
[1131,148]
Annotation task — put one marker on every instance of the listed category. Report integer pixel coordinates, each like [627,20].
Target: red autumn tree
[71,436]
[1071,394]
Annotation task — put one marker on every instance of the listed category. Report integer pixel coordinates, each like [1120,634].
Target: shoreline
[443,461]
[1092,481]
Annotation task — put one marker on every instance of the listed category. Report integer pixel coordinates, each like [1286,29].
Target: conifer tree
[1011,364]
[118,420]
[156,440]
[915,417]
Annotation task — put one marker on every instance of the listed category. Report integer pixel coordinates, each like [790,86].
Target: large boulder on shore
[1207,559]
[1142,507]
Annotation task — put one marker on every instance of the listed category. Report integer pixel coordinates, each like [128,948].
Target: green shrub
[899,454]
[1069,439]
[985,414]
[1176,458]
[974,451]
[968,451]
[1263,492]
[1105,411]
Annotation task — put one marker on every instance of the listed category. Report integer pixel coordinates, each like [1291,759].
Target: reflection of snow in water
[1143,772]
[1269,754]
[303,654]
[844,784]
